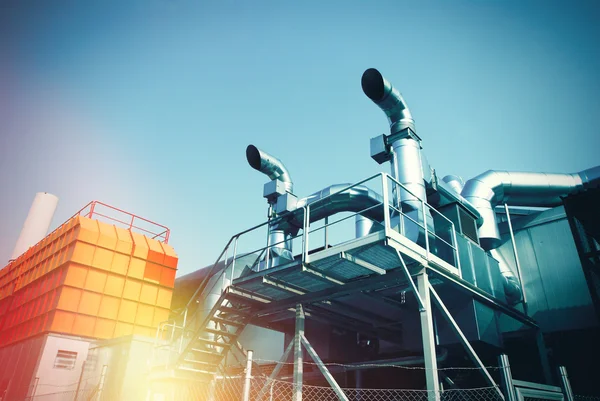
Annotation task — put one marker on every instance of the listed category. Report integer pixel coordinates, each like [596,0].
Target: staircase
[210,343]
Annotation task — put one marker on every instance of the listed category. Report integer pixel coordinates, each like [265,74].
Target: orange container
[88,279]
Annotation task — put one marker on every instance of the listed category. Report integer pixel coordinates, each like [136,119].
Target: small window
[65,360]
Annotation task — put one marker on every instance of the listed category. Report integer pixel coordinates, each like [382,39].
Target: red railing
[129,221]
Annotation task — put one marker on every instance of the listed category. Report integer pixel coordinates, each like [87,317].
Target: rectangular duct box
[379,151]
[274,189]
[286,203]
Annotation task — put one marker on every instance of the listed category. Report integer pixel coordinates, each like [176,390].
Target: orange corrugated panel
[103,258]
[164,298]
[155,252]
[160,315]
[75,275]
[109,307]
[114,285]
[132,290]
[69,299]
[124,241]
[83,325]
[123,329]
[83,253]
[170,256]
[120,263]
[152,272]
[144,315]
[127,311]
[90,303]
[104,328]
[108,236]
[95,280]
[61,321]
[167,277]
[140,246]
[136,268]
[149,293]
[87,230]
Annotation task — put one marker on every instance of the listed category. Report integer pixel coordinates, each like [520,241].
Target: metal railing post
[325,229]
[506,378]
[514,245]
[425,228]
[386,204]
[235,244]
[565,384]
[248,377]
[455,244]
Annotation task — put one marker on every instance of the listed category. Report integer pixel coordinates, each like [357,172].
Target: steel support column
[543,351]
[565,384]
[298,360]
[276,370]
[428,334]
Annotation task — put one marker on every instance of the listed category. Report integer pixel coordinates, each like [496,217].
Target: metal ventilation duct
[455,182]
[407,164]
[269,165]
[492,188]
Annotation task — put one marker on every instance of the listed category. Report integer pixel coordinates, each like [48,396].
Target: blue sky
[150,105]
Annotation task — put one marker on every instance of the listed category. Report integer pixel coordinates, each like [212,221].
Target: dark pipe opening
[253,156]
[373,84]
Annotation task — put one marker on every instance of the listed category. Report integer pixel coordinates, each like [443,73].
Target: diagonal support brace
[328,376]
[412,282]
[276,371]
[465,342]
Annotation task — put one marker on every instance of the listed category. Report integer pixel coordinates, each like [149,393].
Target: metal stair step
[214,343]
[220,332]
[235,311]
[227,322]
[201,371]
[208,366]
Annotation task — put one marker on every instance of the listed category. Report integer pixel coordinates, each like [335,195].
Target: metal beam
[506,378]
[321,275]
[328,376]
[427,332]
[543,351]
[362,263]
[276,370]
[298,360]
[411,281]
[472,354]
[391,279]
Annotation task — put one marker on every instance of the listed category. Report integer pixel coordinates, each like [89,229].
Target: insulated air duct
[269,165]
[493,188]
[454,182]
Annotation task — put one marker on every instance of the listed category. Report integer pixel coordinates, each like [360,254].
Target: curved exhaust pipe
[388,98]
[406,160]
[269,165]
[493,188]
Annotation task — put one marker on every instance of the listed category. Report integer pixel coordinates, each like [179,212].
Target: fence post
[565,384]
[506,378]
[101,384]
[248,376]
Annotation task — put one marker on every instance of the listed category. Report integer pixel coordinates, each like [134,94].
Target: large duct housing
[493,188]
[37,222]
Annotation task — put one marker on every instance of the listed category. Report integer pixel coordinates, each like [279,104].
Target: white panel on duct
[37,222]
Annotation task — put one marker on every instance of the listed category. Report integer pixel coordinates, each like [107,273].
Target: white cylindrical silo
[37,222]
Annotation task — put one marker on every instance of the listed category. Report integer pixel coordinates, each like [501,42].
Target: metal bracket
[412,282]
